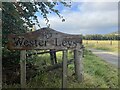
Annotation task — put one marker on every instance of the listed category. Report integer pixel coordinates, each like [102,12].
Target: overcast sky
[85,18]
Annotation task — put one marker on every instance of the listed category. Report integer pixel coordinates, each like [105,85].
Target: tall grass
[107,45]
[97,74]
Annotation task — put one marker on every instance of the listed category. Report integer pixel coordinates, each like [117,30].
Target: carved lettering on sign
[44,38]
[28,43]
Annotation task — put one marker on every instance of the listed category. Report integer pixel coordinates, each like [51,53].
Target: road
[109,57]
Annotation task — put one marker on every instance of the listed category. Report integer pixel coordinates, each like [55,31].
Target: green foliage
[97,74]
[102,37]
[101,70]
[18,18]
[9,57]
[46,80]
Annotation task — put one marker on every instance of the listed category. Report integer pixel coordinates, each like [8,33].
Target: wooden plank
[58,65]
[78,64]
[43,52]
[23,68]
[44,39]
[64,78]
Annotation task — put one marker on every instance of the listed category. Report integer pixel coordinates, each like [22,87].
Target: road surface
[109,57]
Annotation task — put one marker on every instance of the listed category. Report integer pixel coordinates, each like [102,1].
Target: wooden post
[110,42]
[23,68]
[52,57]
[55,58]
[64,78]
[87,42]
[97,41]
[78,65]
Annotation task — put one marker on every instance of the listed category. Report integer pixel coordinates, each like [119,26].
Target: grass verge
[97,74]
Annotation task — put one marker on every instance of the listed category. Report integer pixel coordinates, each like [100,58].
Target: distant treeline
[102,37]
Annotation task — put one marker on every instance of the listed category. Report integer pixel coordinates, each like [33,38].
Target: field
[97,74]
[107,45]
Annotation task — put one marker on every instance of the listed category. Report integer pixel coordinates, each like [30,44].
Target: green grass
[103,73]
[97,74]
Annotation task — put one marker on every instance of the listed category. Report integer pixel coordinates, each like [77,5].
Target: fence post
[78,64]
[110,42]
[64,77]
[97,41]
[23,68]
[87,42]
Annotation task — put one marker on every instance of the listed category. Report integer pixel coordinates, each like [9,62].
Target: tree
[18,18]
[102,37]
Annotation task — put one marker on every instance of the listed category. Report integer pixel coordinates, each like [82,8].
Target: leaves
[19,18]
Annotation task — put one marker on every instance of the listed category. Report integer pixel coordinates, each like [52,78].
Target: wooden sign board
[43,39]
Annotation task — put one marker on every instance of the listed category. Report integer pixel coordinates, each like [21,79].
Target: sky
[85,18]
